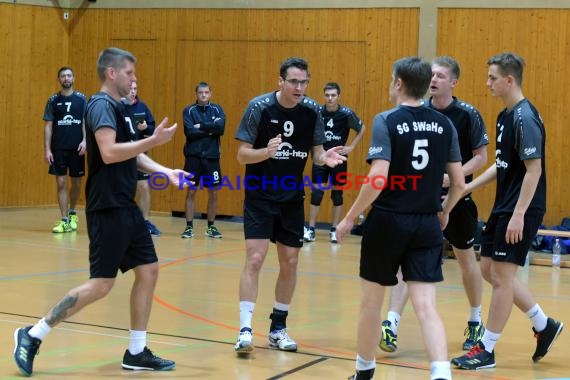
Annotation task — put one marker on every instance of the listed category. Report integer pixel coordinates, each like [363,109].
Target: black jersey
[520,136]
[279,178]
[471,131]
[338,124]
[109,185]
[67,114]
[418,142]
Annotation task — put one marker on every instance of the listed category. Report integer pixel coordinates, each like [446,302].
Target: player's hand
[346,150]
[273,145]
[343,228]
[332,157]
[175,176]
[142,126]
[443,219]
[82,148]
[515,227]
[445,183]
[162,134]
[49,157]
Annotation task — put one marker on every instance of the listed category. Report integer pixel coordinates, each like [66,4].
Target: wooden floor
[195,315]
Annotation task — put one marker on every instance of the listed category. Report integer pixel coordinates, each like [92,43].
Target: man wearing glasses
[276,134]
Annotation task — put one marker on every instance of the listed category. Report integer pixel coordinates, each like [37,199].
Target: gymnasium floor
[195,314]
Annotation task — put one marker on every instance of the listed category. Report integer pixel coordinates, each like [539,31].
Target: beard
[67,85]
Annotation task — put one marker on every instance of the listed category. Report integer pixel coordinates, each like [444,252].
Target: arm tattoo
[59,312]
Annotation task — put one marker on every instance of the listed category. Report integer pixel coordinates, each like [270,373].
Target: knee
[101,287]
[336,197]
[317,197]
[254,262]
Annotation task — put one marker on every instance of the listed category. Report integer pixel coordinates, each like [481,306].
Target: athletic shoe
[309,234]
[188,233]
[389,340]
[476,358]
[213,232]
[25,350]
[244,344]
[473,333]
[146,361]
[152,228]
[332,235]
[73,219]
[362,375]
[280,340]
[546,337]
[61,227]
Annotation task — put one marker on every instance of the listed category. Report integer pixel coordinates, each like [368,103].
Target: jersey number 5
[420,154]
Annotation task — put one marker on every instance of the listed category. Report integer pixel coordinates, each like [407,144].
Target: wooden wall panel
[34,45]
[239,52]
[542,37]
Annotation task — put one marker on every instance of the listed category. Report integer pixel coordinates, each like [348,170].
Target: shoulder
[310,103]
[80,95]
[467,107]
[53,97]
[263,101]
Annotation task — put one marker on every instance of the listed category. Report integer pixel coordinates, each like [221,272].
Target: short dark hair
[332,86]
[202,84]
[450,63]
[415,74]
[509,64]
[112,57]
[63,68]
[299,63]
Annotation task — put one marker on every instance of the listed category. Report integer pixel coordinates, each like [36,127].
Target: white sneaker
[280,340]
[244,342]
[309,234]
[333,237]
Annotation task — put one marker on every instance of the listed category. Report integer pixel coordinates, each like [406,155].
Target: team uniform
[337,126]
[472,134]
[402,228]
[118,235]
[273,206]
[520,136]
[202,148]
[140,112]
[66,114]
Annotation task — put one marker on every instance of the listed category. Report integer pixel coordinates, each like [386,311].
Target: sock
[137,341]
[489,340]
[279,317]
[363,364]
[333,229]
[537,317]
[440,370]
[394,319]
[65,219]
[312,228]
[210,224]
[40,329]
[475,315]
[245,314]
[71,212]
[190,223]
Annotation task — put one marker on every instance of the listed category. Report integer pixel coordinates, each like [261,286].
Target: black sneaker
[362,375]
[146,361]
[25,350]
[476,358]
[546,337]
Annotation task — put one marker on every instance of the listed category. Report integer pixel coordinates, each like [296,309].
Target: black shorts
[391,240]
[278,222]
[322,174]
[460,230]
[206,171]
[494,245]
[67,159]
[118,239]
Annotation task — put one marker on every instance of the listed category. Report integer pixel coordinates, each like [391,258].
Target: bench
[545,259]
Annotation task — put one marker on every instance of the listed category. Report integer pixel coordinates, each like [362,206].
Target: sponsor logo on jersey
[286,151]
[331,136]
[499,253]
[500,163]
[68,120]
[529,151]
[374,150]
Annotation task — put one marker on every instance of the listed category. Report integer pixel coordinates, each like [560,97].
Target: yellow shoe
[61,227]
[73,221]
